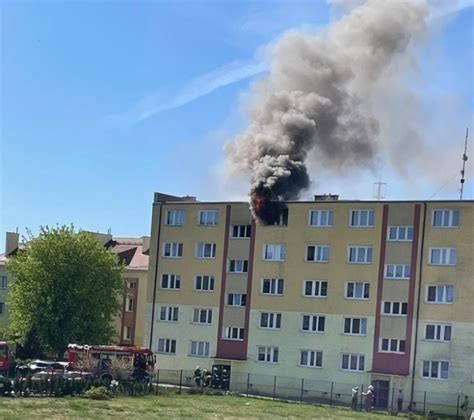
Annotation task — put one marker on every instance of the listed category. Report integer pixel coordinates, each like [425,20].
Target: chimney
[326,197]
[146,245]
[12,241]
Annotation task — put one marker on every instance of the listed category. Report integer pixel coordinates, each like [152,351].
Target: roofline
[200,203]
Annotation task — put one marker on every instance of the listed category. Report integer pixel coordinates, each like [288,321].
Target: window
[236,299]
[315,288]
[311,358]
[206,250]
[270,320]
[202,316]
[208,217]
[274,252]
[397,271]
[170,281]
[167,346]
[313,323]
[127,333]
[234,333]
[435,369]
[175,217]
[440,294]
[357,290]
[392,345]
[204,283]
[360,254]
[131,285]
[172,250]
[241,231]
[353,362]
[320,218]
[318,253]
[272,286]
[445,218]
[400,233]
[362,218]
[238,266]
[443,256]
[2,308]
[394,308]
[438,332]
[268,354]
[282,219]
[169,313]
[355,326]
[129,304]
[3,282]
[199,349]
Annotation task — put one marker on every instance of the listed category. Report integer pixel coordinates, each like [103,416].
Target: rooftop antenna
[380,189]
[464,159]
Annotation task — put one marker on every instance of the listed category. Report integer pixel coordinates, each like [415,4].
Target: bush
[98,393]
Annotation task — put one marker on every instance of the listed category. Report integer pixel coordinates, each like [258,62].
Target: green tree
[66,289]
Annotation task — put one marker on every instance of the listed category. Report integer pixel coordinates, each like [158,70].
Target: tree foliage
[66,289]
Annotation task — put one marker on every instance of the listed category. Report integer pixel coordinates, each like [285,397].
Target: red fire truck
[100,357]
[6,358]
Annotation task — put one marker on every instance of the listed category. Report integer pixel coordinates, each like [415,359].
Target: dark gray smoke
[316,100]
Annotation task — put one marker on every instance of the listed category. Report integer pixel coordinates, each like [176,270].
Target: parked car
[36,366]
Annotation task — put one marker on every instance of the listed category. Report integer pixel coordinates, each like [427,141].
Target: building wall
[4,316]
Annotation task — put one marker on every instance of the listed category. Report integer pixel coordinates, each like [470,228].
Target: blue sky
[103,103]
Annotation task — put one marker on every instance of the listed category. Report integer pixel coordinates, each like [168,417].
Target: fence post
[180,380]
[302,390]
[424,403]
[361,396]
[157,381]
[202,383]
[457,407]
[332,386]
[248,383]
[274,386]
[393,395]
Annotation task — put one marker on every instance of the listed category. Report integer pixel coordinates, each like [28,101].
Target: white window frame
[271,249]
[177,217]
[229,333]
[210,217]
[444,295]
[174,249]
[319,251]
[312,357]
[172,279]
[359,213]
[445,256]
[3,282]
[198,314]
[270,354]
[362,326]
[391,271]
[129,302]
[127,333]
[210,282]
[239,266]
[316,286]
[170,313]
[168,344]
[238,299]
[329,218]
[357,249]
[439,331]
[390,341]
[356,285]
[273,320]
[199,348]
[350,356]
[274,284]
[398,233]
[243,231]
[401,305]
[314,320]
[446,214]
[438,369]
[201,246]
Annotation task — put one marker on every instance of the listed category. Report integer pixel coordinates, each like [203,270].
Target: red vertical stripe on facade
[249,288]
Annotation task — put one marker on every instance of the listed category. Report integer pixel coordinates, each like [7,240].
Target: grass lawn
[171,406]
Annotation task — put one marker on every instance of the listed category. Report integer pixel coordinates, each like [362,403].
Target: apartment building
[354,292]
[11,246]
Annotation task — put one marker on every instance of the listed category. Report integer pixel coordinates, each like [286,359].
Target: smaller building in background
[11,247]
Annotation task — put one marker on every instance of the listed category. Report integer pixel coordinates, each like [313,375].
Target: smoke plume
[316,100]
